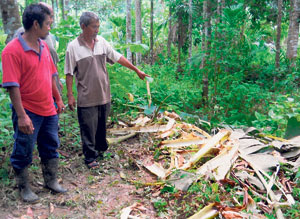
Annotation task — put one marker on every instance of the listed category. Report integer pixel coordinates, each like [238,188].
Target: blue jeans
[45,134]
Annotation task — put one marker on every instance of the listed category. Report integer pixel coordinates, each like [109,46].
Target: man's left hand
[60,107]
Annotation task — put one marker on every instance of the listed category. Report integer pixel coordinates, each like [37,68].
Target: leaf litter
[187,144]
[183,155]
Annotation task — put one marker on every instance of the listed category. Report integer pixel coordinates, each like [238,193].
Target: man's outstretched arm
[123,61]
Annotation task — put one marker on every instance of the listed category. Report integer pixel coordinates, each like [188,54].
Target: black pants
[92,122]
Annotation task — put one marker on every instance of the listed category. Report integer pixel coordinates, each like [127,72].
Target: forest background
[216,63]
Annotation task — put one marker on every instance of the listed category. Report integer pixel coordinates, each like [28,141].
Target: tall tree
[54,12]
[180,38]
[138,28]
[169,32]
[56,9]
[206,48]
[217,45]
[128,29]
[151,32]
[293,34]
[190,27]
[278,37]
[62,4]
[10,17]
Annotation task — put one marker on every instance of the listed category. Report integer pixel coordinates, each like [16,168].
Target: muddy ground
[99,193]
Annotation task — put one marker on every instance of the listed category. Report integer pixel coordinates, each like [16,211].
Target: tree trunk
[293,34]
[67,8]
[217,47]
[76,8]
[53,7]
[128,29]
[62,3]
[279,18]
[180,41]
[138,28]
[10,17]
[190,28]
[206,49]
[151,33]
[56,10]
[169,33]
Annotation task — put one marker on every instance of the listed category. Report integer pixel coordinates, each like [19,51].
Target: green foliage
[298,174]
[5,121]
[160,206]
[280,111]
[168,189]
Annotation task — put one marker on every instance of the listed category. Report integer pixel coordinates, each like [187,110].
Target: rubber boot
[49,168]
[26,193]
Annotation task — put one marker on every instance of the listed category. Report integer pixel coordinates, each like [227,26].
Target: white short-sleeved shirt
[89,68]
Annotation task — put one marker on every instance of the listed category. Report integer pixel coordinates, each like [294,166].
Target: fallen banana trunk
[221,164]
[154,128]
[257,168]
[206,213]
[272,196]
[157,169]
[179,143]
[219,138]
[120,139]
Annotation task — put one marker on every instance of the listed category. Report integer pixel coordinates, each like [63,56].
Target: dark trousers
[92,123]
[45,134]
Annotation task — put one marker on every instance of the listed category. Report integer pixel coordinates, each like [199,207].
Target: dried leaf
[122,175]
[125,212]
[157,169]
[154,128]
[141,121]
[120,139]
[29,214]
[51,208]
[221,164]
[182,179]
[206,213]
[171,115]
[243,175]
[179,143]
[130,97]
[214,141]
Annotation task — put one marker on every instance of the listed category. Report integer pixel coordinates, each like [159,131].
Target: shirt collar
[25,45]
[82,42]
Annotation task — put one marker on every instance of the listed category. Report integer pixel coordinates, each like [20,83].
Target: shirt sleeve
[52,65]
[70,63]
[11,66]
[112,55]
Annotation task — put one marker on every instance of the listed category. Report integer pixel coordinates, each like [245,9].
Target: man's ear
[82,26]
[36,25]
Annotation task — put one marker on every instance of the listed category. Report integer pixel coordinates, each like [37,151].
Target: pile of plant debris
[263,169]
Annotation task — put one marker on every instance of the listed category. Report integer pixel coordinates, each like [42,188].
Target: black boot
[49,168]
[22,181]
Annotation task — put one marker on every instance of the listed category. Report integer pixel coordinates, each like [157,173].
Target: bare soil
[99,193]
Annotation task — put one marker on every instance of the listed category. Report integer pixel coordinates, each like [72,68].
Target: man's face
[92,29]
[51,17]
[43,31]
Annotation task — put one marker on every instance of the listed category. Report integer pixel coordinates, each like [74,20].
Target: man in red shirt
[28,72]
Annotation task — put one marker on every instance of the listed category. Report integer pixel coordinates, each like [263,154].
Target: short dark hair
[34,12]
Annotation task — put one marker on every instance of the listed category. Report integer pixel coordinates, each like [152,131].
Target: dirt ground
[99,193]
